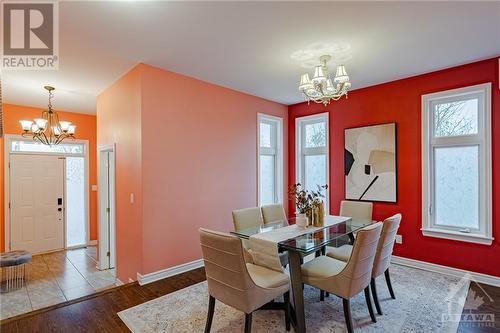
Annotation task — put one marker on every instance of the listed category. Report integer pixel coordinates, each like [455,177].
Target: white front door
[37,203]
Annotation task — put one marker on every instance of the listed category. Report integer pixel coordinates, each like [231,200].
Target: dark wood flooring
[98,313]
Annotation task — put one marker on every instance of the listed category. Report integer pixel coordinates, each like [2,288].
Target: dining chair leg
[210,315]
[321,295]
[389,285]
[369,304]
[298,294]
[248,322]
[347,314]
[351,238]
[286,299]
[375,296]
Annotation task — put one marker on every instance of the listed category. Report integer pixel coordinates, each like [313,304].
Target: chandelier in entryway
[48,129]
[322,89]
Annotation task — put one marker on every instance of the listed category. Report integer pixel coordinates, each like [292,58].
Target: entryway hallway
[57,277]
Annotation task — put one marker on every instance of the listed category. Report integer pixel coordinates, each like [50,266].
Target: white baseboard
[456,272]
[168,272]
[118,282]
[92,242]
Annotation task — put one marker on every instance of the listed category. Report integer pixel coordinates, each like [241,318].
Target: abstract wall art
[370,163]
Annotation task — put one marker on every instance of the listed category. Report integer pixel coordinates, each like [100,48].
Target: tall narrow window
[312,152]
[456,160]
[270,163]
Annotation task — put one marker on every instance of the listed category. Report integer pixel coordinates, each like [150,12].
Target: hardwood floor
[98,313]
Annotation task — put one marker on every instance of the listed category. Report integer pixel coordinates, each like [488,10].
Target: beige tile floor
[54,278]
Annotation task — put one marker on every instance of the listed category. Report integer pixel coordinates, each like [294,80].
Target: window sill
[458,236]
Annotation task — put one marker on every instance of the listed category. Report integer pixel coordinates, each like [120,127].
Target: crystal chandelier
[321,89]
[48,129]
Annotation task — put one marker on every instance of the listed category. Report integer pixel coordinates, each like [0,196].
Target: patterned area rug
[423,299]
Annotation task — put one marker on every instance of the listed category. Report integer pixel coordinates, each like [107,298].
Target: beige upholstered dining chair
[244,286]
[247,218]
[347,279]
[273,212]
[356,209]
[382,257]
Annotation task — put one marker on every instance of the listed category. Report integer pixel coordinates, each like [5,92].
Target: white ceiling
[253,46]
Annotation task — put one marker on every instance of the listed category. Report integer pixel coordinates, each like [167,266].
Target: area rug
[424,301]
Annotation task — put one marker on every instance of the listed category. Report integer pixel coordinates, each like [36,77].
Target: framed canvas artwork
[370,163]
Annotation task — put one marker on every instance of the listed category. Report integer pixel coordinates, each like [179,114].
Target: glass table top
[334,228]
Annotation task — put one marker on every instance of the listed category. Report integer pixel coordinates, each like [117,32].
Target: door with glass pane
[37,203]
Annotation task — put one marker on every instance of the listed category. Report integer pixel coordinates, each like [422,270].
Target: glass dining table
[315,241]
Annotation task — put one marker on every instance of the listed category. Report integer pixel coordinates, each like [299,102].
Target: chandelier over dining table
[48,129]
[322,88]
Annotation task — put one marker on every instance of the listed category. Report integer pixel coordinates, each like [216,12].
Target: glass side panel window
[76,231]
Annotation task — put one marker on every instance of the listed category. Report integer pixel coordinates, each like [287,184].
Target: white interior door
[111,201]
[37,203]
[107,225]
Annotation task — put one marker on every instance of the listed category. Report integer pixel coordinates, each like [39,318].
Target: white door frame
[103,237]
[8,138]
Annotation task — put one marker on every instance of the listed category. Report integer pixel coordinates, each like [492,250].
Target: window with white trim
[312,152]
[270,162]
[456,164]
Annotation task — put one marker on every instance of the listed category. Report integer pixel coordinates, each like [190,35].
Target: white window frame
[276,150]
[483,140]
[301,151]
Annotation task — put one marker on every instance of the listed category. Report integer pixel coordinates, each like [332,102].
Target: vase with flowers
[307,203]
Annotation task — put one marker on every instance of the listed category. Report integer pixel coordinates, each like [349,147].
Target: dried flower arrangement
[304,199]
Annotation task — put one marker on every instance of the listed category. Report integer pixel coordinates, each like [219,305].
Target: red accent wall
[400,102]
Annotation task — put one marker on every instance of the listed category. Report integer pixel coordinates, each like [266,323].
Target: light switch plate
[132,198]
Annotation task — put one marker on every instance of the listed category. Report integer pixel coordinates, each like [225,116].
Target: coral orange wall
[119,122]
[199,153]
[399,101]
[85,130]
[2,216]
